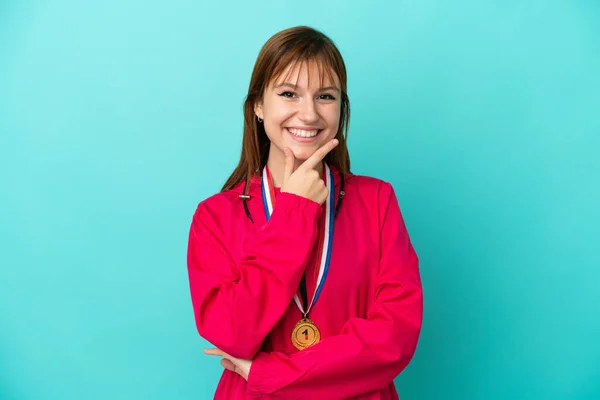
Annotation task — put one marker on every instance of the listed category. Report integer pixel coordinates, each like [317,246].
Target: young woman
[302,274]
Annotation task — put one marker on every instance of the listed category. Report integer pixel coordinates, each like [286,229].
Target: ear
[258,110]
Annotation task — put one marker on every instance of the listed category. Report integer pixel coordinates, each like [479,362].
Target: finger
[320,154]
[227,364]
[289,163]
[324,196]
[215,352]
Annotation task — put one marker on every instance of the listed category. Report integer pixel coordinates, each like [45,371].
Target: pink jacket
[243,277]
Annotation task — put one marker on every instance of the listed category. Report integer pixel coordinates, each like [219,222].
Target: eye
[285,94]
[328,96]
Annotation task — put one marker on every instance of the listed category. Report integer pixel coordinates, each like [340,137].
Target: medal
[306,333]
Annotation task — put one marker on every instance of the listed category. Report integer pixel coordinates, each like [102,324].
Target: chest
[354,259]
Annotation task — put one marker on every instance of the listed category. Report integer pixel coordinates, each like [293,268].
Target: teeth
[303,133]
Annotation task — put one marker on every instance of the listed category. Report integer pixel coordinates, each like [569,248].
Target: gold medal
[305,334]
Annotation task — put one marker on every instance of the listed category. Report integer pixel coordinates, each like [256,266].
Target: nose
[307,111]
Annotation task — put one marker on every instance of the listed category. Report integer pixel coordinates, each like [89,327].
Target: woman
[301,273]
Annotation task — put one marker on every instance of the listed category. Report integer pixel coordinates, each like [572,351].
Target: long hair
[300,44]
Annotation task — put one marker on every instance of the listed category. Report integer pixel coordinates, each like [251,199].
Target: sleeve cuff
[255,377]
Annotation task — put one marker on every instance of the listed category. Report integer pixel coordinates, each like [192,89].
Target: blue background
[118,117]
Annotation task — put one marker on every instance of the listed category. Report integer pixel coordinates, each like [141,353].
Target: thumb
[290,160]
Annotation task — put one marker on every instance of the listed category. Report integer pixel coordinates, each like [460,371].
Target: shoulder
[378,197]
[220,200]
[218,205]
[374,194]
[368,186]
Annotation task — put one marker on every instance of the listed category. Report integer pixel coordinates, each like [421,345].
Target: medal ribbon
[268,195]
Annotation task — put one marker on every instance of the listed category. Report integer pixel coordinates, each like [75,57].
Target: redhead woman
[302,274]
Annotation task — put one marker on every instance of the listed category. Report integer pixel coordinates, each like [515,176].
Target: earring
[259,120]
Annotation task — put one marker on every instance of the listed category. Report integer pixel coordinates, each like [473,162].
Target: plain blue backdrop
[118,117]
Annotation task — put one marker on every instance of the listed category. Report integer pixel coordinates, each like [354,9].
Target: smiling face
[298,112]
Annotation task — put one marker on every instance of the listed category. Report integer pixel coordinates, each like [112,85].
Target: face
[300,116]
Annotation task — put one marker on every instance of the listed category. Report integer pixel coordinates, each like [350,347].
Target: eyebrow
[296,86]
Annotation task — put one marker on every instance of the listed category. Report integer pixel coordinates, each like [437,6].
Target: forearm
[236,304]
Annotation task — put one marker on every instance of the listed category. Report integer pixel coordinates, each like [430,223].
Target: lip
[303,139]
[304,128]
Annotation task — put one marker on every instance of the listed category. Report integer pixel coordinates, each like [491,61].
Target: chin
[303,154]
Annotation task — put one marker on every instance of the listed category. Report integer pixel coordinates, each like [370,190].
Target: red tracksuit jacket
[243,277]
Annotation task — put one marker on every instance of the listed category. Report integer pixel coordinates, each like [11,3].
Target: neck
[276,165]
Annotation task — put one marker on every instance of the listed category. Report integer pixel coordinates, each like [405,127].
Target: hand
[240,366]
[305,181]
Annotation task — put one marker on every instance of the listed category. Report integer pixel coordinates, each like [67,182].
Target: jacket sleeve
[369,352]
[236,302]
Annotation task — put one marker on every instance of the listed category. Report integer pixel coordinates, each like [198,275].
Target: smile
[301,133]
